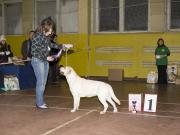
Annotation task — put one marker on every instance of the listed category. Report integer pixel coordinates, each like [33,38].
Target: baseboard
[124,79]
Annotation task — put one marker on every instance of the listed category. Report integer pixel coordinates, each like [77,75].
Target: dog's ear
[71,68]
[60,66]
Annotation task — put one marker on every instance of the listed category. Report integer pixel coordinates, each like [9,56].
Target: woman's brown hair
[46,25]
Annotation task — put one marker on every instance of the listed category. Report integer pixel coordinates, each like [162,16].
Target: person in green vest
[161,54]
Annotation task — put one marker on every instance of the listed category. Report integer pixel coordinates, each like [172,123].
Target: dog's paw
[119,103]
[115,111]
[102,112]
[73,110]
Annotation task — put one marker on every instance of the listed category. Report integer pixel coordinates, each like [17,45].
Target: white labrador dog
[81,87]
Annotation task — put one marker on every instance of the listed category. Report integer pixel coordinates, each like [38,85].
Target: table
[24,73]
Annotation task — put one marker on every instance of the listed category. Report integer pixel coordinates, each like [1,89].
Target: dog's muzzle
[61,72]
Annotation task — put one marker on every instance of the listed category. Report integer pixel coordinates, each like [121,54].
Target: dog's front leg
[76,103]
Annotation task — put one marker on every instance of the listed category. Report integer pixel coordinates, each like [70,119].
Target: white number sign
[135,102]
[150,102]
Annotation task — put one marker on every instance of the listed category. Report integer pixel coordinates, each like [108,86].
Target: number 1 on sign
[150,102]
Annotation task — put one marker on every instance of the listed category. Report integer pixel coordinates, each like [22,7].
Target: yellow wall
[137,56]
[86,65]
[15,43]
[85,58]
[78,59]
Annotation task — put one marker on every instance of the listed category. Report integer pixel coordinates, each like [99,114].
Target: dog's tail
[113,96]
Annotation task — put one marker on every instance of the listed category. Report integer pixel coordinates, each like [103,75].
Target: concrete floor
[19,116]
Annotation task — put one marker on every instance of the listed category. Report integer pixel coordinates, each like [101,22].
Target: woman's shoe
[44,106]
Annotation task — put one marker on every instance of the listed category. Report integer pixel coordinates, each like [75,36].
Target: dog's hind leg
[113,104]
[104,103]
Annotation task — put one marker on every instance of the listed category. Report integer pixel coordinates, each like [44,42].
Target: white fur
[81,87]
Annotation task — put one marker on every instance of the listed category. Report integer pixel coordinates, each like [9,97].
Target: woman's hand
[50,58]
[160,56]
[67,46]
[7,52]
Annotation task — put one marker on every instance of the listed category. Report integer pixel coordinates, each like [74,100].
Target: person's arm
[56,46]
[155,53]
[9,53]
[168,52]
[23,50]
[2,52]
[61,46]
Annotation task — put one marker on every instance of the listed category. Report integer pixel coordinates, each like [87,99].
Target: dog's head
[65,70]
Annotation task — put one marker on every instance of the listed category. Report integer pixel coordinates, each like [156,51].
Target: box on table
[115,74]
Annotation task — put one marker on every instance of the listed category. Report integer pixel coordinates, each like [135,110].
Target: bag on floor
[152,77]
[172,73]
[11,83]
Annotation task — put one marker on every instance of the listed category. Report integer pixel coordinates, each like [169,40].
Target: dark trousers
[53,71]
[162,74]
[1,79]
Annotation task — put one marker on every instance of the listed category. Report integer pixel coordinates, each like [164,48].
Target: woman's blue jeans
[41,69]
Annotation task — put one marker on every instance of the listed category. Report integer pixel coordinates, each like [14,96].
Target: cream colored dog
[81,87]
